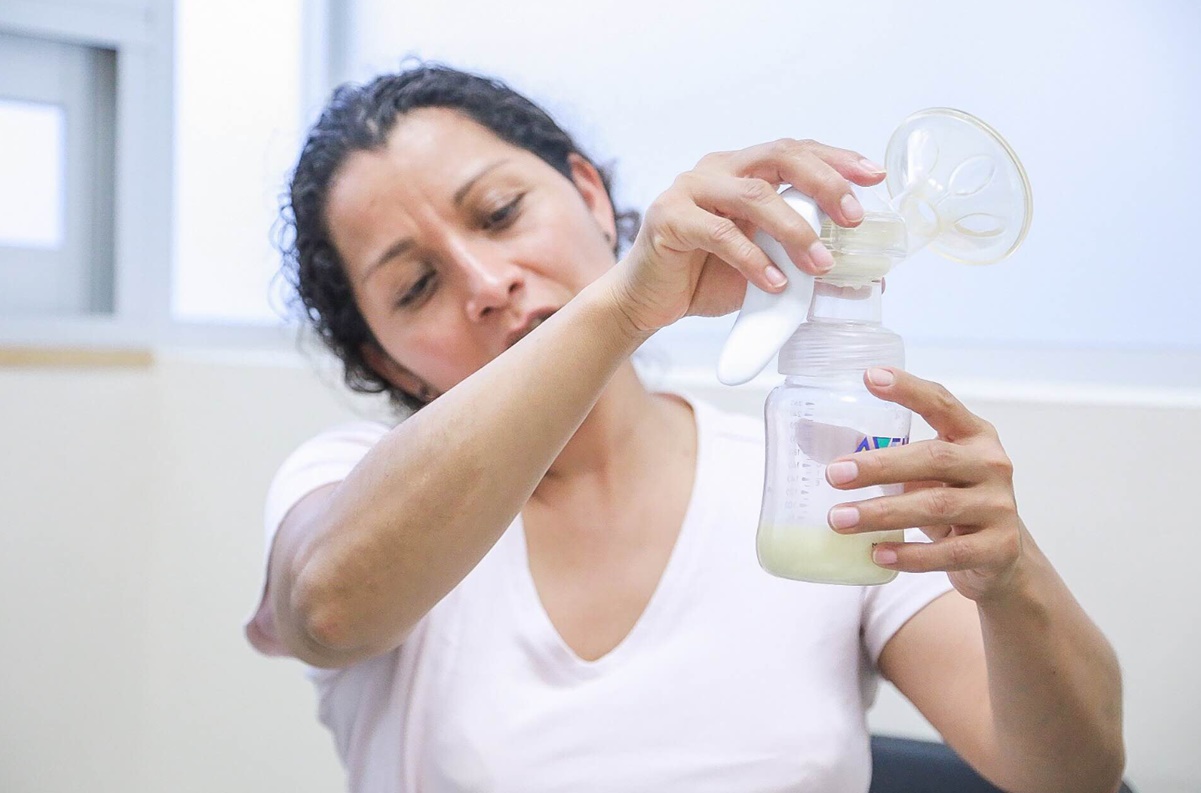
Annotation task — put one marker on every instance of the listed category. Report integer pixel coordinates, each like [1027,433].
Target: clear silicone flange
[960,188]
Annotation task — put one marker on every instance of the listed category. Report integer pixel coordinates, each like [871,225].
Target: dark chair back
[904,765]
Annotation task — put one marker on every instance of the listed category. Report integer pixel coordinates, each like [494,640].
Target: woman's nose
[492,281]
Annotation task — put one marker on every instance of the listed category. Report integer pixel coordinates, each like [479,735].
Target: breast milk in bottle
[822,412]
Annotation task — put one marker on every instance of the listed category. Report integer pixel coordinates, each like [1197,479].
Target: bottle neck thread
[843,336]
[833,303]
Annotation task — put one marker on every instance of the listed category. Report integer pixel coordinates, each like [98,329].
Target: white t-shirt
[730,680]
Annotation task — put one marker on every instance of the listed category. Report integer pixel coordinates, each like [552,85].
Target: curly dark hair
[360,118]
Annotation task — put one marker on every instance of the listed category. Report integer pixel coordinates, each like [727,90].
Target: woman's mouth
[532,321]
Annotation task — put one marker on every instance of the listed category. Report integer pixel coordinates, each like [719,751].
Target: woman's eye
[504,215]
[417,291]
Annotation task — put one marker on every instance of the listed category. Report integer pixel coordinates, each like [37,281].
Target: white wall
[130,552]
[129,522]
[1099,99]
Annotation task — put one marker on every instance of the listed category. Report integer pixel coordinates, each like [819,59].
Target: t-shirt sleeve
[323,460]
[886,608]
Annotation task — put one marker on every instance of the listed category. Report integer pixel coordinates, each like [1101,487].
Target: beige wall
[130,552]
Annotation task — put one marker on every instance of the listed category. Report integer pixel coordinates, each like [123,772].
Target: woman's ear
[592,187]
[396,375]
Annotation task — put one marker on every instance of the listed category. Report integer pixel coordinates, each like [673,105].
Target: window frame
[142,33]
[139,31]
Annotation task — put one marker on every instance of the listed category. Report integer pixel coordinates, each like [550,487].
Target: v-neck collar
[535,621]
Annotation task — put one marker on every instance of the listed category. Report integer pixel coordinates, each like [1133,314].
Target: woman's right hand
[694,254]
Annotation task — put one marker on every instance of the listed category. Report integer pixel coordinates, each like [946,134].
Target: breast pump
[955,186]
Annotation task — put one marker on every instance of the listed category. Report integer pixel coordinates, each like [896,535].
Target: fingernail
[841,473]
[870,166]
[851,208]
[880,376]
[820,256]
[883,556]
[775,276]
[844,517]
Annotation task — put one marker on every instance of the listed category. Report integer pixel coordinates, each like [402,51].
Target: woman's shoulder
[325,458]
[339,447]
[349,436]
[725,424]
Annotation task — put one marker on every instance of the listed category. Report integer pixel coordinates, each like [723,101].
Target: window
[102,67]
[165,208]
[57,104]
[32,168]
[238,90]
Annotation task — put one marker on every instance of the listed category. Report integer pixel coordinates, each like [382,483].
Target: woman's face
[457,244]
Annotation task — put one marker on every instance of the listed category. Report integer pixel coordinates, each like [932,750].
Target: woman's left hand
[958,490]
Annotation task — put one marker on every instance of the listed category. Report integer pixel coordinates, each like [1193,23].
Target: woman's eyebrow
[398,248]
[402,246]
[462,192]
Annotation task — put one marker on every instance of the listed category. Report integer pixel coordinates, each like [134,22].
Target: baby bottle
[820,413]
[956,186]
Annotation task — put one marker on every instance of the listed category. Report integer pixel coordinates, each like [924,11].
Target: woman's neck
[626,429]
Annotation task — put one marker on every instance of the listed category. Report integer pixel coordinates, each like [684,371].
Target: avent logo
[876,442]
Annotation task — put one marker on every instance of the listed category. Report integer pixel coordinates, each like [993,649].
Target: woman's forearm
[1054,684]
[433,496]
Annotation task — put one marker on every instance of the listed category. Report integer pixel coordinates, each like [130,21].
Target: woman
[544,578]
